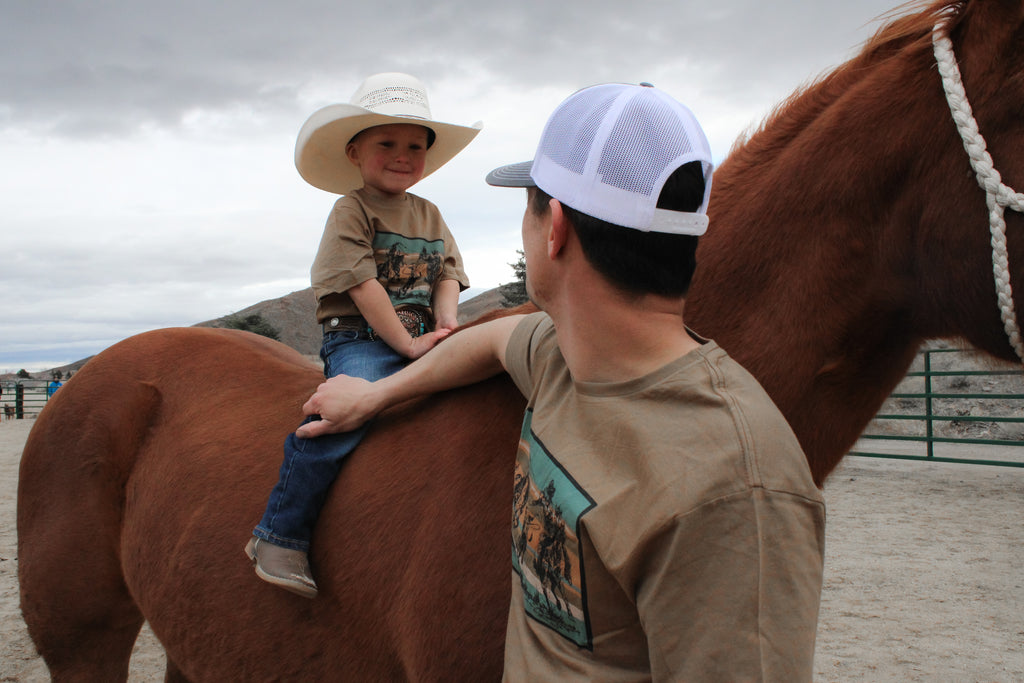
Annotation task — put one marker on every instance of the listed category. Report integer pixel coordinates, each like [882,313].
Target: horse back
[166,447]
[75,485]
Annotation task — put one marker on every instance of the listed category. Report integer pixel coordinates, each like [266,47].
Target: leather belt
[414,321]
[350,323]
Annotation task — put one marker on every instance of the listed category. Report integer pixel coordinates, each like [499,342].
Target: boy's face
[390,157]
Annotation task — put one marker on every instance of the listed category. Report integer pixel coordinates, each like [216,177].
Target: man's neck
[608,337]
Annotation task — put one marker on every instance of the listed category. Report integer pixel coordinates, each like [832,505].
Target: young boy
[387,278]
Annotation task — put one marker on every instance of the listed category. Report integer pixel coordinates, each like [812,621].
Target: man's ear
[558,230]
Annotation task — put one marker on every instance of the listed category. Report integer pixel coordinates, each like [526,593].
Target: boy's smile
[391,157]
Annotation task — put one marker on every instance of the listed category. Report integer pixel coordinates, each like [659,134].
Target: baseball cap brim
[512,175]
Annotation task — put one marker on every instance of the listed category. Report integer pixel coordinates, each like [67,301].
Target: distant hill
[294,317]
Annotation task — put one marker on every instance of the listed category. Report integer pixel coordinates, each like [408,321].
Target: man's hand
[474,354]
[343,403]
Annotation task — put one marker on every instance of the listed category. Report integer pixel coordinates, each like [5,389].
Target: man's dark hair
[636,261]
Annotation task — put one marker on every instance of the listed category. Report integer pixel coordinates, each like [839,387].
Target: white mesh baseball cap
[607,151]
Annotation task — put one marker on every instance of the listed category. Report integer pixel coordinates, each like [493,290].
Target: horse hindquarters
[135,503]
[76,461]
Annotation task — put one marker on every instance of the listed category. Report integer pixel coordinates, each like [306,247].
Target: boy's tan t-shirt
[402,242]
[663,528]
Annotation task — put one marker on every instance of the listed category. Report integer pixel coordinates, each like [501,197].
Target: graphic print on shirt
[546,508]
[408,267]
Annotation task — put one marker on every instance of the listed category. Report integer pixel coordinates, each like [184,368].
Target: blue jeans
[311,465]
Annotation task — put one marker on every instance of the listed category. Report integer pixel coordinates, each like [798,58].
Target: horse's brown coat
[844,233]
[170,473]
[851,227]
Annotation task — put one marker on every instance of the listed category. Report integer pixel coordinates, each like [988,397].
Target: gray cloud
[147,145]
[95,68]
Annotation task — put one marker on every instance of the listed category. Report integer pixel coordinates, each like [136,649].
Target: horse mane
[908,26]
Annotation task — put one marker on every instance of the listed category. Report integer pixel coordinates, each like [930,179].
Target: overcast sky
[146,149]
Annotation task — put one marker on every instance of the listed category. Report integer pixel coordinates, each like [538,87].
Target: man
[665,525]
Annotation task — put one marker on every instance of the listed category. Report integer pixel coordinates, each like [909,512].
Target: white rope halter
[997,195]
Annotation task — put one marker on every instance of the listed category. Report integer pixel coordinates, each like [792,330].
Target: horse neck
[988,46]
[836,245]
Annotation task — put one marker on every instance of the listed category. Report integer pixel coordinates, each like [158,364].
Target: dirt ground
[924,575]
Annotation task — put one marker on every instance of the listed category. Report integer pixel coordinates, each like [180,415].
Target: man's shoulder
[532,331]
[729,374]
[774,455]
[529,350]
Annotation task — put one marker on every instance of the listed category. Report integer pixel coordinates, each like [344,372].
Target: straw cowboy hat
[381,99]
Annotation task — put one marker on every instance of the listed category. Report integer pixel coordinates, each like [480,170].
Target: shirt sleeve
[453,266]
[521,350]
[731,590]
[345,256]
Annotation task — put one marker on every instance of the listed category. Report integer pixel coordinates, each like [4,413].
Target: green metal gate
[953,406]
[24,398]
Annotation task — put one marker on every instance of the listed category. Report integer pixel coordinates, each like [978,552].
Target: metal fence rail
[949,408]
[25,398]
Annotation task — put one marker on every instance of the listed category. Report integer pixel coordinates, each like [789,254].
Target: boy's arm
[374,304]
[446,304]
[472,355]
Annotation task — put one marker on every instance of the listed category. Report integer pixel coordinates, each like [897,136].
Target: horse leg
[76,652]
[71,493]
[173,674]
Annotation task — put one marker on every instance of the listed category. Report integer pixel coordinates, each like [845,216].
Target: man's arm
[472,355]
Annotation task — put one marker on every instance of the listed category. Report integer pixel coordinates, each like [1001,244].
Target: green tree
[514,293]
[252,323]
[23,373]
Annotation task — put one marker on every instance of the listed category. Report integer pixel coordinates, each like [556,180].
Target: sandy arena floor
[924,575]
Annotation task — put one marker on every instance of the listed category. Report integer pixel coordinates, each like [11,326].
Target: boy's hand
[343,403]
[423,343]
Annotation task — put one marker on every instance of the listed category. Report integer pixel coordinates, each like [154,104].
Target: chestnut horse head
[850,227]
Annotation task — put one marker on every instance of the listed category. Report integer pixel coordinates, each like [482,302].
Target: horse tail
[71,495]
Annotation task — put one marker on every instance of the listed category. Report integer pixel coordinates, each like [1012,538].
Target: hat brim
[512,175]
[320,147]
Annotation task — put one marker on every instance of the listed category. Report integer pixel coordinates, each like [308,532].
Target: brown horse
[845,231]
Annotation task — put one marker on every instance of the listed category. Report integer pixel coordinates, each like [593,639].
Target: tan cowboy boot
[282,567]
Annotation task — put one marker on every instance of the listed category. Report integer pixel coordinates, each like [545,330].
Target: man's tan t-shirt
[402,242]
[663,528]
